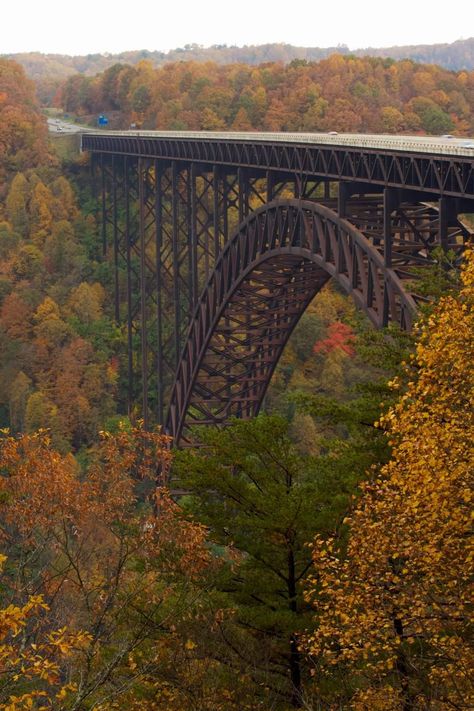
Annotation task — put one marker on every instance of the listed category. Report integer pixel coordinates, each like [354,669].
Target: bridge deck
[440,166]
[434,145]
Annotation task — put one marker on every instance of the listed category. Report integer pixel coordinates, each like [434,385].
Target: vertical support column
[342,199]
[389,205]
[215,185]
[192,242]
[104,205]
[116,242]
[243,194]
[225,207]
[205,207]
[175,252]
[270,185]
[445,210]
[327,189]
[143,295]
[160,375]
[128,238]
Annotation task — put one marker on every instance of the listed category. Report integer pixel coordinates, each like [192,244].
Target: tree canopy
[394,610]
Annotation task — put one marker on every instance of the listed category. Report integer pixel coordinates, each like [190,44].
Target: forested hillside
[57,366]
[317,557]
[456,56]
[339,93]
[23,132]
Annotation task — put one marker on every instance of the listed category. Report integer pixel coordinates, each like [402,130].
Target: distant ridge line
[456,56]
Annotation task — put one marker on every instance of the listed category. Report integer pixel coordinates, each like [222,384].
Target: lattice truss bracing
[213,267]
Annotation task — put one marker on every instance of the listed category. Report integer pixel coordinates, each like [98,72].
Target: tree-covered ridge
[23,132]
[57,347]
[57,363]
[339,93]
[456,55]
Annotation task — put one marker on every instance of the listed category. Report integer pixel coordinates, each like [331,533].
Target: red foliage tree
[339,335]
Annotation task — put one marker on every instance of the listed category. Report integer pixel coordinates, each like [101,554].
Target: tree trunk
[295,656]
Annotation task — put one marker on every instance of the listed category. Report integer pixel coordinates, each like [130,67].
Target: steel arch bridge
[220,241]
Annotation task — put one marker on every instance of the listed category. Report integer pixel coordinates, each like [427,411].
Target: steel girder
[440,175]
[164,226]
[407,232]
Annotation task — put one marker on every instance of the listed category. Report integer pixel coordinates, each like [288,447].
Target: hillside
[40,67]
[23,132]
[456,56]
[340,93]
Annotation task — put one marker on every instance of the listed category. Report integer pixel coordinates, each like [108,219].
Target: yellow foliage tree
[41,205]
[395,611]
[85,302]
[17,204]
[49,324]
[30,672]
[64,206]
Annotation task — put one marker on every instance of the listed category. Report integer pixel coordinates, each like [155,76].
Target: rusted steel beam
[160,369]
[143,291]
[128,258]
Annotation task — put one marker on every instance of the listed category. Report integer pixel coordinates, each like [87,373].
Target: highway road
[58,127]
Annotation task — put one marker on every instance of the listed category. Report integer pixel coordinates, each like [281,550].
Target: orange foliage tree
[108,553]
[54,326]
[23,130]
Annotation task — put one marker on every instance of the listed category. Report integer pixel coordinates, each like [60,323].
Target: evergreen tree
[263,502]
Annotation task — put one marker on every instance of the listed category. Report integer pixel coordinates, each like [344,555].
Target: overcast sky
[89,26]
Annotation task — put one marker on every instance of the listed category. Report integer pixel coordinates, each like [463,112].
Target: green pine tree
[263,502]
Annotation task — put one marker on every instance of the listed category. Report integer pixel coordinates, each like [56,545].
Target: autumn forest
[317,557]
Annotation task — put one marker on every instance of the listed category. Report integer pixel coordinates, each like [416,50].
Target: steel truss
[270,270]
[214,265]
[448,175]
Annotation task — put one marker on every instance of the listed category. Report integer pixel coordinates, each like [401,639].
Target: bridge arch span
[278,259]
